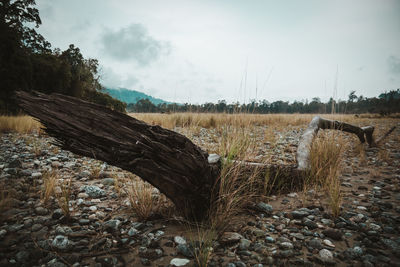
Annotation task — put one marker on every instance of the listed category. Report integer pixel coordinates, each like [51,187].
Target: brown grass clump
[235,190]
[49,183]
[144,202]
[19,124]
[64,197]
[325,160]
[95,173]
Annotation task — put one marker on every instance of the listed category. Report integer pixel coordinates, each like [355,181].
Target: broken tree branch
[303,150]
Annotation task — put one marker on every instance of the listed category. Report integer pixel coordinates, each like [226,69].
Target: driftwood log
[317,123]
[168,160]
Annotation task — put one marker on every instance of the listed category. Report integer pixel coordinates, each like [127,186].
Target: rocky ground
[289,230]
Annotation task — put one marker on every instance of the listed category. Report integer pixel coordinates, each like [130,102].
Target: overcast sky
[207,50]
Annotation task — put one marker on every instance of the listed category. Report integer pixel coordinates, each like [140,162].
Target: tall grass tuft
[49,182]
[325,161]
[64,197]
[236,185]
[143,200]
[20,124]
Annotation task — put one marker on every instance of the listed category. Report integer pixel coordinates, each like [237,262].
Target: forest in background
[29,63]
[385,104]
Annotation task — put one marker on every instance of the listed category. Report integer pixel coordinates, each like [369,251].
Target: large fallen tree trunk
[166,159]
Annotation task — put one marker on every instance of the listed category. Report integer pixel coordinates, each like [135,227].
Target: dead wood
[303,150]
[166,159]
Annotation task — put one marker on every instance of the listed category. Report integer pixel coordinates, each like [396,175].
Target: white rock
[179,240]
[179,262]
[328,243]
[213,158]
[325,254]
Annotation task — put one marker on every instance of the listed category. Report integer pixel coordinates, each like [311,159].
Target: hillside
[132,96]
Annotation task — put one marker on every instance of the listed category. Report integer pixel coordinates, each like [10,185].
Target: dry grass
[64,197]
[20,124]
[95,173]
[325,161]
[203,241]
[49,182]
[235,190]
[144,201]
[215,120]
[384,155]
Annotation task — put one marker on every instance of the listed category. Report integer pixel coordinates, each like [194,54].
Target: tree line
[29,63]
[384,104]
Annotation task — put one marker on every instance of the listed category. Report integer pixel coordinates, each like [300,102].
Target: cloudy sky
[206,50]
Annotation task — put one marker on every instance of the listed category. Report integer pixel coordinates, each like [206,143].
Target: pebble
[60,242]
[179,262]
[325,255]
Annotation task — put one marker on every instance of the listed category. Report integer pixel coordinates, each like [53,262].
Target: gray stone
[230,237]
[179,240]
[325,255]
[108,181]
[112,224]
[265,208]
[310,224]
[315,243]
[94,191]
[22,256]
[2,233]
[132,231]
[244,244]
[334,234]
[41,211]
[55,263]
[299,214]
[84,174]
[15,163]
[63,230]
[36,227]
[58,213]
[179,262]
[270,239]
[61,242]
[286,245]
[184,250]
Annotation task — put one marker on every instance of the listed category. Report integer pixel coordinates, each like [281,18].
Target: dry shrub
[203,242]
[144,202]
[20,124]
[95,173]
[236,185]
[384,155]
[64,197]
[49,182]
[325,160]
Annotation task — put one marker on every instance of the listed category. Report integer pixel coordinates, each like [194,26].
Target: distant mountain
[132,96]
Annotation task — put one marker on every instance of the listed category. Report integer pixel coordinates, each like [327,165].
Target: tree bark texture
[166,159]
